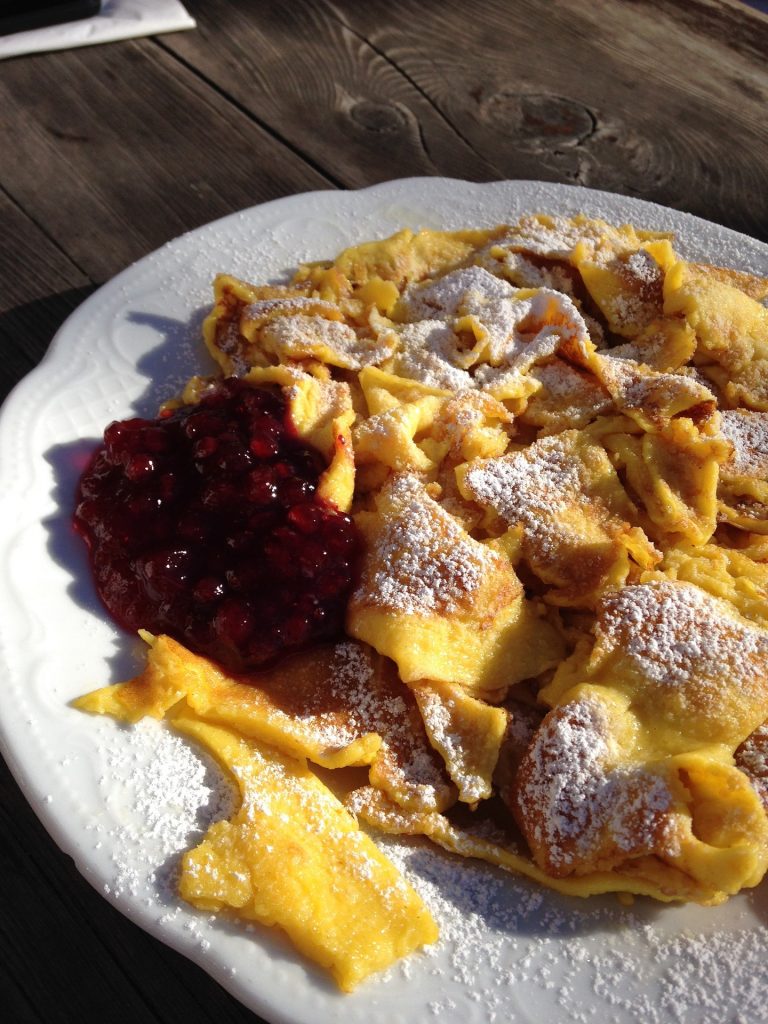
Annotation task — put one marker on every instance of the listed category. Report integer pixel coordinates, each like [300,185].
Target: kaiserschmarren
[551,654]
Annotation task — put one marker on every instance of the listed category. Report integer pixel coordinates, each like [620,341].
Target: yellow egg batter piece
[402,258]
[293,857]
[731,330]
[594,793]
[674,472]
[743,480]
[443,606]
[484,839]
[695,670]
[730,574]
[222,327]
[575,516]
[466,731]
[569,397]
[338,705]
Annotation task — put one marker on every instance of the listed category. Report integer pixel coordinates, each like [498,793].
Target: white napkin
[118,19]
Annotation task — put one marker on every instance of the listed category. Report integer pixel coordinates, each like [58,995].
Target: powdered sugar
[532,486]
[551,237]
[577,807]
[642,267]
[423,562]
[511,953]
[169,794]
[510,333]
[507,949]
[436,711]
[429,352]
[748,433]
[677,635]
[458,293]
[301,337]
[266,308]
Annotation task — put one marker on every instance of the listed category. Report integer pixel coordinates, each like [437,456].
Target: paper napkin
[118,19]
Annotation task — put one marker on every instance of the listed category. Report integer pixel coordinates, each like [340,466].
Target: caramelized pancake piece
[751,757]
[731,330]
[292,856]
[487,840]
[522,722]
[625,282]
[565,495]
[222,328]
[665,345]
[650,398]
[695,670]
[466,732]
[389,437]
[292,338]
[442,605]
[674,474]
[407,257]
[336,705]
[472,329]
[568,398]
[556,237]
[587,799]
[577,814]
[753,286]
[727,573]
[743,481]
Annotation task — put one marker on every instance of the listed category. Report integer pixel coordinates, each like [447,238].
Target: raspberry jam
[204,524]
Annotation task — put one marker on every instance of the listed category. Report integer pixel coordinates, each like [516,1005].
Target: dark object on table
[21,15]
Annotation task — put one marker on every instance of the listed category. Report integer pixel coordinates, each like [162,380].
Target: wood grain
[321,87]
[633,97]
[41,286]
[664,123]
[129,149]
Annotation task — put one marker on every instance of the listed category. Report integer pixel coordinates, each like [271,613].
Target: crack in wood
[332,10]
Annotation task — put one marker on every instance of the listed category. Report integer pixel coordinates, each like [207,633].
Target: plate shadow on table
[35,323]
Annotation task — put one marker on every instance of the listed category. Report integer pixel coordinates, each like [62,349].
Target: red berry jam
[205,524]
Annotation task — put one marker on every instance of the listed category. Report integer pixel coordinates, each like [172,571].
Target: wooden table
[107,152]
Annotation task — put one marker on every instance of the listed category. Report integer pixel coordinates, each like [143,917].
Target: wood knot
[538,121]
[381,118]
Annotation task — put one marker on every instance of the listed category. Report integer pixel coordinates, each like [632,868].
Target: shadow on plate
[168,366]
[507,904]
[179,355]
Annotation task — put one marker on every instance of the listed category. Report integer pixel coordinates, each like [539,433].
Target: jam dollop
[205,524]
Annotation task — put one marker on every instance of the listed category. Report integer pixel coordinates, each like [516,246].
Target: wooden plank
[631,97]
[129,150]
[661,99]
[41,287]
[316,83]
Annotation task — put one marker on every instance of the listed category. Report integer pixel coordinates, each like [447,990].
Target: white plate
[509,951]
